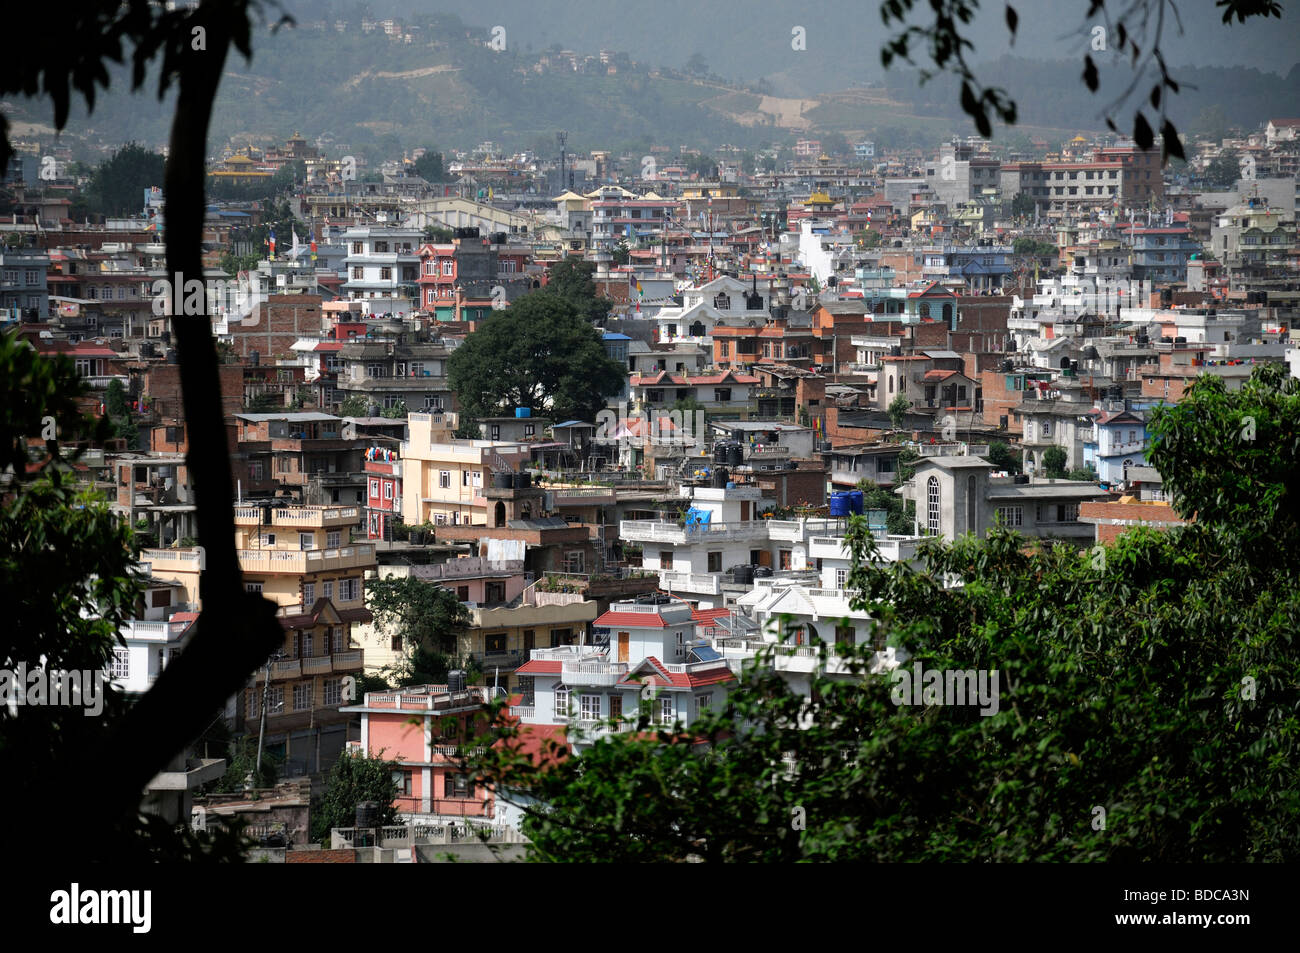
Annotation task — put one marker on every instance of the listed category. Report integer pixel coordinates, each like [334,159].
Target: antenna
[562,137]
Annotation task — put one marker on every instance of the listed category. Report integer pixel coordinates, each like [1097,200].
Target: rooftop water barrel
[735,455]
[523,411]
[855,502]
[839,504]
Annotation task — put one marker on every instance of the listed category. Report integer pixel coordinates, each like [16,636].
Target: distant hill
[373,96]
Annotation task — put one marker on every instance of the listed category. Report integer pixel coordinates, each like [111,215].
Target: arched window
[722,301]
[932,506]
[925,309]
[500,514]
[947,313]
[970,503]
[891,384]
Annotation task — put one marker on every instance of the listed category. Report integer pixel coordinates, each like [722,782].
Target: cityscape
[715,462]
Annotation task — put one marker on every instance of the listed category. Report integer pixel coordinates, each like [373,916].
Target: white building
[383,267]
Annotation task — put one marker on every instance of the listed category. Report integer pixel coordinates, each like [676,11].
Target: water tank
[762,572]
[840,506]
[742,575]
[855,502]
[367,814]
[720,453]
[172,359]
[456,680]
[523,481]
[503,481]
[523,412]
[1180,340]
[720,478]
[1022,478]
[735,455]
[730,485]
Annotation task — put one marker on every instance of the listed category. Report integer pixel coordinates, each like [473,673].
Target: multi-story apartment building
[1160,255]
[444,478]
[1127,177]
[395,373]
[1257,244]
[457,280]
[304,453]
[303,560]
[383,268]
[23,289]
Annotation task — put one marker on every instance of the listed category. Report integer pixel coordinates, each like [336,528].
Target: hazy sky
[751,38]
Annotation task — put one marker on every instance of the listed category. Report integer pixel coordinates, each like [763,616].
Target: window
[308,645]
[561,702]
[388,490]
[615,706]
[268,539]
[932,506]
[530,638]
[253,587]
[666,711]
[530,430]
[1011,516]
[455,786]
[722,394]
[358,273]
[841,577]
[495,644]
[561,637]
[336,639]
[702,704]
[444,479]
[332,539]
[462,593]
[275,700]
[589,707]
[349,589]
[447,265]
[1046,428]
[715,561]
[386,274]
[327,589]
[121,664]
[306,541]
[302,696]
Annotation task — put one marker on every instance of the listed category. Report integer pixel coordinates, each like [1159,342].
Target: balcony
[593,674]
[661,531]
[1122,447]
[692,582]
[798,531]
[357,556]
[317,517]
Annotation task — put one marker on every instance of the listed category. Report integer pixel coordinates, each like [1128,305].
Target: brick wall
[275,325]
[343,856]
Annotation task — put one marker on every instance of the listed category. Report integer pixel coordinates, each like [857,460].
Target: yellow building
[443,477]
[303,559]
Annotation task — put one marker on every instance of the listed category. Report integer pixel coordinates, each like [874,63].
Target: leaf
[1090,73]
[1173,146]
[1013,20]
[1142,133]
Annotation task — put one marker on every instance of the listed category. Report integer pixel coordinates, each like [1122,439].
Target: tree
[898,408]
[1023,205]
[1034,248]
[1223,171]
[622,253]
[697,65]
[118,184]
[354,405]
[396,412]
[1004,458]
[427,620]
[238,630]
[1083,473]
[1131,721]
[1137,31]
[571,279]
[429,166]
[353,780]
[438,234]
[899,513]
[1054,462]
[538,353]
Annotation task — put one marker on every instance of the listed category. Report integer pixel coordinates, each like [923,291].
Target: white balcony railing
[709,583]
[660,531]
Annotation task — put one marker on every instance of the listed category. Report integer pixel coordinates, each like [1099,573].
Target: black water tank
[762,572]
[523,481]
[735,455]
[720,453]
[503,481]
[367,814]
[720,478]
[742,575]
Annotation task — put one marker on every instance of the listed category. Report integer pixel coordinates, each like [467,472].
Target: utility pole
[562,138]
[261,733]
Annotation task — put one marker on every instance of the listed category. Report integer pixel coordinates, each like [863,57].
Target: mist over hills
[376,96]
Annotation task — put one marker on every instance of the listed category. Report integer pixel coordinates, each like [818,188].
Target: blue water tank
[839,504]
[523,411]
[855,502]
[730,485]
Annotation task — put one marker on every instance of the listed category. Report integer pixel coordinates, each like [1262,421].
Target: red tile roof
[537,667]
[631,620]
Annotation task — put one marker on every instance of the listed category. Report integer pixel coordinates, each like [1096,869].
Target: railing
[662,531]
[593,673]
[314,516]
[523,712]
[307,560]
[317,665]
[287,668]
[710,583]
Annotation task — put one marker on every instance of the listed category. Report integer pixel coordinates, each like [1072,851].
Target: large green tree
[117,185]
[538,353]
[1146,708]
[572,279]
[352,780]
[427,618]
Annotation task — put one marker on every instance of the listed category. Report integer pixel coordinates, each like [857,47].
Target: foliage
[1146,707]
[538,353]
[1034,248]
[1135,31]
[118,184]
[1023,205]
[241,764]
[438,234]
[1083,473]
[1223,171]
[429,620]
[1004,458]
[622,253]
[1054,461]
[907,458]
[396,412]
[898,408]
[899,513]
[352,780]
[429,166]
[354,405]
[571,279]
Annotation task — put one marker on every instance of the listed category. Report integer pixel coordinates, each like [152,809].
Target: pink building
[418,727]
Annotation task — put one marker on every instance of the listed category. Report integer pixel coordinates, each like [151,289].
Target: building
[444,478]
[383,268]
[24,293]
